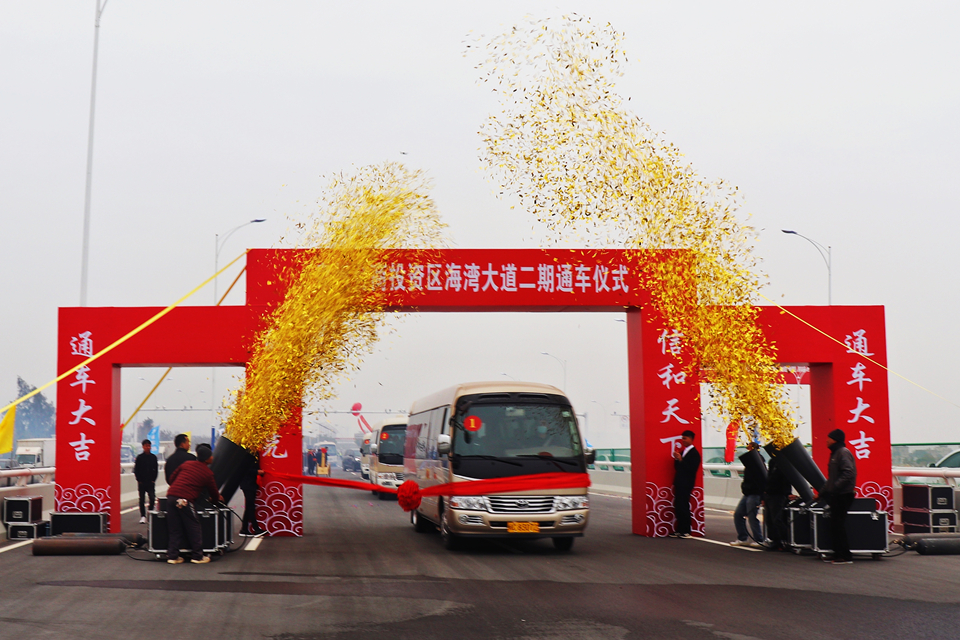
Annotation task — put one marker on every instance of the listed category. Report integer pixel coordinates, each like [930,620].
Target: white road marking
[129,510]
[253,544]
[16,546]
[722,544]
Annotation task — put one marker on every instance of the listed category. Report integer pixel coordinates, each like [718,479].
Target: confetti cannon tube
[783,463]
[800,458]
[230,463]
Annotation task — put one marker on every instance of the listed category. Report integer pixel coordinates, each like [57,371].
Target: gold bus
[481,430]
[386,454]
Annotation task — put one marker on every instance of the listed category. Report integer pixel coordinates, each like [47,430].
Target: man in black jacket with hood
[839,491]
[775,499]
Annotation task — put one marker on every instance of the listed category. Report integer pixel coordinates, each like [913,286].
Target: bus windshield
[496,440]
[390,445]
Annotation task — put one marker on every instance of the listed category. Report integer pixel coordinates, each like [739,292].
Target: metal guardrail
[24,475]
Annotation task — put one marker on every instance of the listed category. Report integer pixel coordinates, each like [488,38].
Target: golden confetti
[333,308]
[584,164]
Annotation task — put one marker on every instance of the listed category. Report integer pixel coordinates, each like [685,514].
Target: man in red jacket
[185,486]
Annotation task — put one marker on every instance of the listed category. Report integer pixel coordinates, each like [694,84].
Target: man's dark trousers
[839,506]
[182,522]
[681,508]
[146,488]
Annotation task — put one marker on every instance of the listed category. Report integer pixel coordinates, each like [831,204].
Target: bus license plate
[523,527]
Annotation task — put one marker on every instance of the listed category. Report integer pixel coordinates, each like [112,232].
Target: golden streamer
[333,306]
[581,161]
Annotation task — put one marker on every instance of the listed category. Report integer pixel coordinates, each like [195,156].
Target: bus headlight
[473,503]
[565,503]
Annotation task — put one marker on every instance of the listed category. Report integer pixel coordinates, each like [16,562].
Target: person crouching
[186,482]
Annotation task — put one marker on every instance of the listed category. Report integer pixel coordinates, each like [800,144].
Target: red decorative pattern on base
[83,498]
[661,519]
[883,496]
[280,509]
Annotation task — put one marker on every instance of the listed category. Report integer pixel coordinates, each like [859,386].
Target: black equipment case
[928,521]
[22,509]
[216,527]
[867,528]
[928,497]
[76,522]
[798,526]
[28,530]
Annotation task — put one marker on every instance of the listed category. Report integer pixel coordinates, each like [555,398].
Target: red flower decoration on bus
[408,495]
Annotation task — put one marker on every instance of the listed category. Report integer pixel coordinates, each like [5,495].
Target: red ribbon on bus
[410,493]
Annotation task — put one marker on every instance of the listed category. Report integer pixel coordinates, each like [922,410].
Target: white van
[481,430]
[365,456]
[386,454]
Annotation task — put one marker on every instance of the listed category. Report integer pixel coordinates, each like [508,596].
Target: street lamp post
[563,363]
[217,246]
[85,252]
[825,253]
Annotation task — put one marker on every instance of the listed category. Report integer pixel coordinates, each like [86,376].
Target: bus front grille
[520,504]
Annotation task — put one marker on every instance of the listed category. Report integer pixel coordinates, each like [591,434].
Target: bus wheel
[450,541]
[420,525]
[563,544]
[382,495]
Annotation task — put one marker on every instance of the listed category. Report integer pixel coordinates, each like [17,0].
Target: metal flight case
[867,528]
[798,526]
[28,530]
[216,527]
[922,521]
[22,509]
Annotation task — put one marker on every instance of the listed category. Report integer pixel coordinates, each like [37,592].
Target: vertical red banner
[664,402]
[857,390]
[88,426]
[280,503]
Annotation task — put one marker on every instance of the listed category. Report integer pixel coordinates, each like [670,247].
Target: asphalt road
[362,572]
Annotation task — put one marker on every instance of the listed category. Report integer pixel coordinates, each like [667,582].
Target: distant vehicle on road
[351,460]
[365,457]
[950,461]
[386,454]
[37,452]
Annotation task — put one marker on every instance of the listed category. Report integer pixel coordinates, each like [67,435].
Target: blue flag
[154,437]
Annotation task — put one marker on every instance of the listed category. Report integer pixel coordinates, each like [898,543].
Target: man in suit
[686,464]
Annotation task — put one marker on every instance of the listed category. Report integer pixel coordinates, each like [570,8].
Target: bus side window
[445,423]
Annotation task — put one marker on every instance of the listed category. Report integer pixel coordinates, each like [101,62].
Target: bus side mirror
[443,444]
[590,456]
[373,448]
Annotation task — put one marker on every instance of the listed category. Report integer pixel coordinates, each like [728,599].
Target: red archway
[848,391]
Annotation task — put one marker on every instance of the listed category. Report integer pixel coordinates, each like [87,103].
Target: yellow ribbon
[124,338]
[851,350]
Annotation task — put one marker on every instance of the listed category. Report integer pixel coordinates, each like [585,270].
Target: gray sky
[836,120]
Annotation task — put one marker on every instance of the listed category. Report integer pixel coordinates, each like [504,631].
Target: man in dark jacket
[754,482]
[189,478]
[145,469]
[686,464]
[775,500]
[839,491]
[180,455]
[249,485]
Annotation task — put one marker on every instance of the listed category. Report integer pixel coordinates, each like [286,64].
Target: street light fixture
[563,363]
[825,253]
[218,245]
